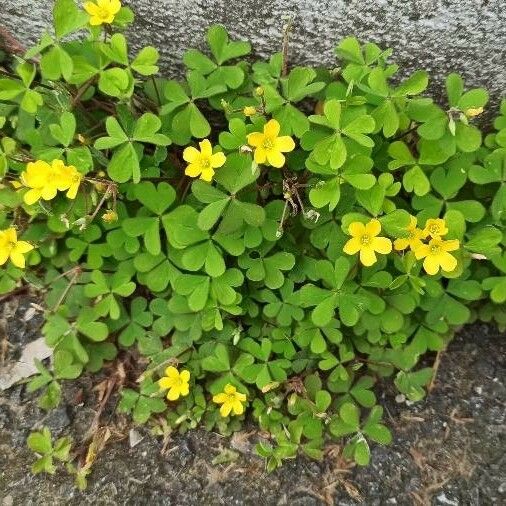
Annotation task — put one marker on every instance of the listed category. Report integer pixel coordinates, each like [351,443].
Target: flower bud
[259,91]
[473,111]
[249,110]
[245,149]
[110,216]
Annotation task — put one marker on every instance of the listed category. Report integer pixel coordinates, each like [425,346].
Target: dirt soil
[449,449]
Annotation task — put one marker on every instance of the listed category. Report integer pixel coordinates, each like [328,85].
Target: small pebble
[7,501]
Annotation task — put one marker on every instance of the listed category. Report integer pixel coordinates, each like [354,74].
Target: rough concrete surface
[467,36]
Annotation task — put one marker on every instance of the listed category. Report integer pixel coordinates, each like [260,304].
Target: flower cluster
[177,384]
[366,241]
[436,254]
[45,180]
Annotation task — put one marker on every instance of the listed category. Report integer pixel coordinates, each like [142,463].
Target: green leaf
[117,49]
[115,82]
[68,17]
[65,130]
[145,63]
[40,442]
[473,99]
[454,88]
[350,414]
[219,361]
[414,85]
[415,180]
[222,48]
[362,453]
[124,165]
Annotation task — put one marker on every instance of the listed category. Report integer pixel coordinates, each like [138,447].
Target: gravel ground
[448,449]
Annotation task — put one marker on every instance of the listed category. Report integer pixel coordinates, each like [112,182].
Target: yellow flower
[249,110]
[11,248]
[72,178]
[435,255]
[413,240]
[110,216]
[202,163]
[44,180]
[102,11]
[435,228]
[473,111]
[259,91]
[230,400]
[366,241]
[269,147]
[176,382]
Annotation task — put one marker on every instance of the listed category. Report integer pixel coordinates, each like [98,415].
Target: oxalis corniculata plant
[256,241]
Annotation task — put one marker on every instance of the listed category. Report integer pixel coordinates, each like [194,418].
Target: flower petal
[91,8]
[18,259]
[401,244]
[4,255]
[72,193]
[185,375]
[451,245]
[165,383]
[218,159]
[241,396]
[255,139]
[373,228]
[284,144]
[448,262]
[207,175]
[260,155]
[184,389]
[238,407]
[352,246]
[11,235]
[193,170]
[225,409]
[431,265]
[382,245]
[230,389]
[205,148]
[367,256]
[275,158]
[48,192]
[22,247]
[95,21]
[32,196]
[172,372]
[220,398]
[356,229]
[115,6]
[174,393]
[271,128]
[422,251]
[191,154]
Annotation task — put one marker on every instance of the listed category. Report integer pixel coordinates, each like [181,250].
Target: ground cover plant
[257,240]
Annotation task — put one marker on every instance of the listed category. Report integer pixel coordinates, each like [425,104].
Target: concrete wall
[467,36]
